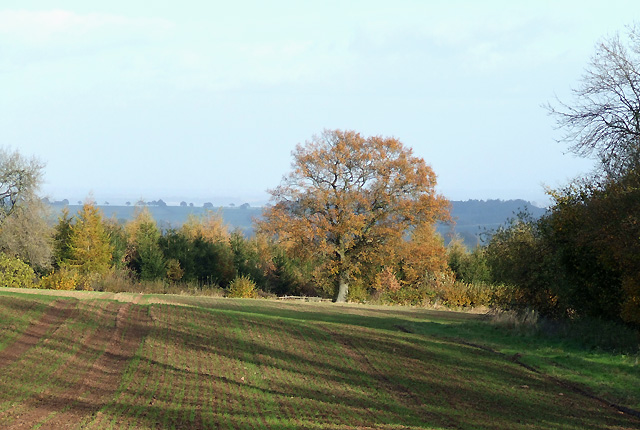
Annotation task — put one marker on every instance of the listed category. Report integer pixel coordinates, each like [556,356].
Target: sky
[205,100]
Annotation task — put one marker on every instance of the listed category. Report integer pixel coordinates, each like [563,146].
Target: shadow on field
[240,364]
[338,370]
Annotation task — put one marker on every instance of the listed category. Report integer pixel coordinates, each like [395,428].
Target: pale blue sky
[204,101]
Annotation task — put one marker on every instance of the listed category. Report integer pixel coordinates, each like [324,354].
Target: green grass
[251,364]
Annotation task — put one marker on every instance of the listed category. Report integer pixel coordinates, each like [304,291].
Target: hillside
[102,360]
[471,218]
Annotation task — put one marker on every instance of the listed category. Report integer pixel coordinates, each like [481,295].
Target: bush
[242,287]
[15,273]
[174,271]
[62,279]
[357,293]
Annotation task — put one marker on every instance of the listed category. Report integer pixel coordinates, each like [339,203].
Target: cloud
[28,37]
[55,26]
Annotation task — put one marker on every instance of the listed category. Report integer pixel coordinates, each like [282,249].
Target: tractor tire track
[100,380]
[58,311]
[397,390]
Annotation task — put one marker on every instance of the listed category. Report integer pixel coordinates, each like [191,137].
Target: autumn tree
[208,226]
[349,197]
[90,250]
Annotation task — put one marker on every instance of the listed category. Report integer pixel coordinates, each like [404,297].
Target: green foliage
[15,273]
[118,239]
[291,275]
[62,251]
[469,267]
[247,259]
[203,261]
[595,226]
[519,255]
[242,287]
[358,293]
[147,258]
[581,260]
[174,271]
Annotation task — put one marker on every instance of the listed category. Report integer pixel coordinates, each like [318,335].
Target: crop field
[124,361]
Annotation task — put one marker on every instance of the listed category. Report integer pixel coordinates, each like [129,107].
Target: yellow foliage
[15,273]
[209,226]
[91,251]
[141,217]
[62,279]
[242,287]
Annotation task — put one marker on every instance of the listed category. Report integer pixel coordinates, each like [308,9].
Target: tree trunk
[343,289]
[343,285]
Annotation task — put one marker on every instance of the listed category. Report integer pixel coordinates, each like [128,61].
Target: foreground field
[118,361]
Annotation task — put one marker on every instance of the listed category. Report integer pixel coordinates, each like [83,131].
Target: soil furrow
[58,312]
[74,369]
[99,382]
[399,391]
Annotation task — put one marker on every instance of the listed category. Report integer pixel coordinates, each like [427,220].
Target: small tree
[144,253]
[90,248]
[62,252]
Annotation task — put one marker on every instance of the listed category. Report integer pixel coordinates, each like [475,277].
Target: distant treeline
[474,220]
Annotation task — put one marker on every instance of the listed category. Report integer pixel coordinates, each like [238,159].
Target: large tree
[348,198]
[19,181]
[24,231]
[603,119]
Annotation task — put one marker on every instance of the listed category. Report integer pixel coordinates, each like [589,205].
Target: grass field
[124,361]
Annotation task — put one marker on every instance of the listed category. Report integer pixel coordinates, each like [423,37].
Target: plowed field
[97,361]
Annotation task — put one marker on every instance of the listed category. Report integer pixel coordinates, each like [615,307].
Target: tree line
[355,220]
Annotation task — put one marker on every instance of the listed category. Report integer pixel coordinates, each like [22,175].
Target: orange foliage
[349,199]
[424,254]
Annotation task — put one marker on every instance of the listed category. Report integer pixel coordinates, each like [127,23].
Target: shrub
[357,293]
[15,273]
[62,279]
[242,287]
[386,281]
[174,271]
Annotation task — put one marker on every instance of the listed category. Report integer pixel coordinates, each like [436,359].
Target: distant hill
[174,216]
[471,217]
[474,217]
